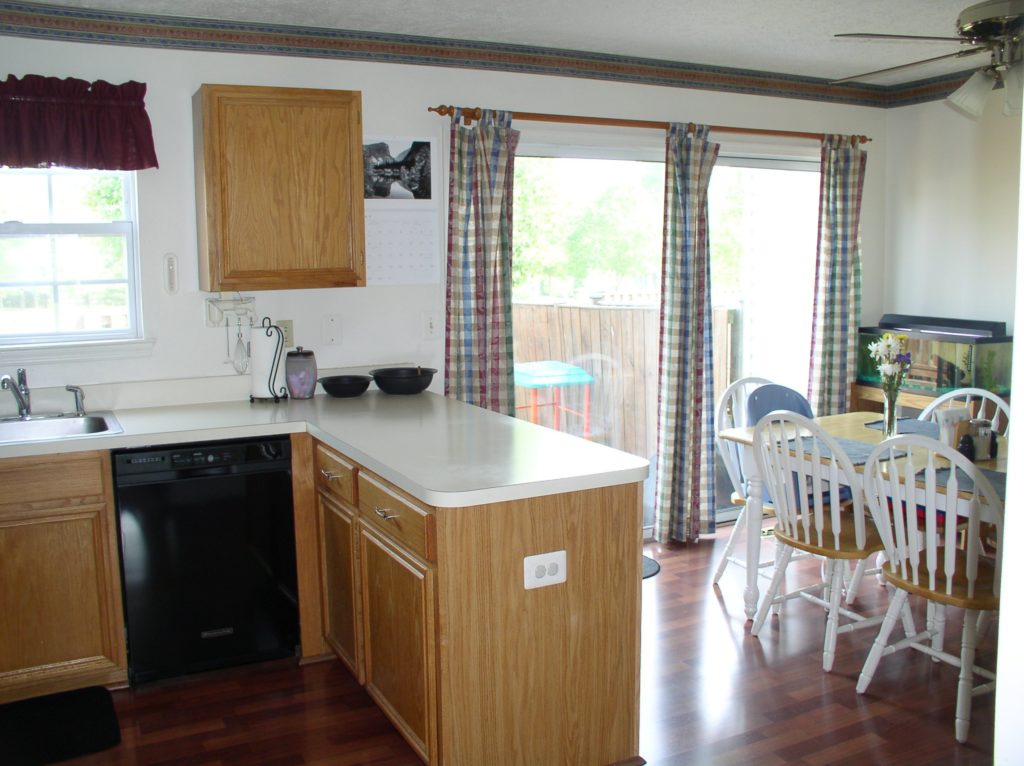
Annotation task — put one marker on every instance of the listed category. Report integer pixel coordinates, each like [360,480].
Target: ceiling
[791,37]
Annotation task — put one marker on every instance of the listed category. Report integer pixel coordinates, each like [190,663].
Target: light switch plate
[544,569]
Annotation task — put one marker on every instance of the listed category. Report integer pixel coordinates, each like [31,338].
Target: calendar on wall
[403,239]
[403,247]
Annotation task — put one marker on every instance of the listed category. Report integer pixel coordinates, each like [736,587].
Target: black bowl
[345,385]
[403,380]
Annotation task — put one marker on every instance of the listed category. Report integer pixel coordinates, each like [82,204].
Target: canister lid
[299,351]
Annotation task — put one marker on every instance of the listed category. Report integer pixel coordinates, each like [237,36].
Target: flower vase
[889,409]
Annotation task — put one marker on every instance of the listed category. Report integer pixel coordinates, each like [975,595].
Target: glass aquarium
[945,354]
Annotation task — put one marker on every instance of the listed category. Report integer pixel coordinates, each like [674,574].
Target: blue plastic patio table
[554,375]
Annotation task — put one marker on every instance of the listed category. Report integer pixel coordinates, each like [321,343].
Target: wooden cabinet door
[279,188]
[338,565]
[399,624]
[61,621]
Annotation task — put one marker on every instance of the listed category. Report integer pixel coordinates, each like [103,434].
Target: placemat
[997,478]
[857,451]
[927,428]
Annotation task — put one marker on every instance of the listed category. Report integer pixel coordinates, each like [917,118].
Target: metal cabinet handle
[384,513]
[329,475]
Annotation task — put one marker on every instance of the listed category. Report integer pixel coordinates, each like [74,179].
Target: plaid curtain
[478,321]
[684,484]
[837,277]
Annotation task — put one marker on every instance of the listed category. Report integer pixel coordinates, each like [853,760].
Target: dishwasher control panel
[224,455]
[199,457]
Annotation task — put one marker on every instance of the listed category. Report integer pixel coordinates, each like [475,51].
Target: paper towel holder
[271,329]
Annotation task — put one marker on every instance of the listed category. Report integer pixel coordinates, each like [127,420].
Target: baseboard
[728,514]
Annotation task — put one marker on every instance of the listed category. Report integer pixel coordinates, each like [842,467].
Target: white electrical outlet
[332,330]
[544,569]
[287,331]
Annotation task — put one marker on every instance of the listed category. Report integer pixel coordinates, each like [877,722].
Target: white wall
[379,323]
[938,224]
[1009,736]
[951,212]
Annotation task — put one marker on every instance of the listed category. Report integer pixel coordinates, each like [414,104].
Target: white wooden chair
[805,477]
[983,403]
[925,557]
[732,413]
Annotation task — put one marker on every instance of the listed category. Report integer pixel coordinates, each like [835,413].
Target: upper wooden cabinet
[279,188]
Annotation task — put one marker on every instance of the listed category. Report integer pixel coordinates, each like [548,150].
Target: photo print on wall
[397,168]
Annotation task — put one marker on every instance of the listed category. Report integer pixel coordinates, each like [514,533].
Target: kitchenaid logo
[217,633]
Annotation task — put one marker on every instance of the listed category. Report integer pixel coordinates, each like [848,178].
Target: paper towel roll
[267,349]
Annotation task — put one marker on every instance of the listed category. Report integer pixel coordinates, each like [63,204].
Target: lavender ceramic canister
[300,373]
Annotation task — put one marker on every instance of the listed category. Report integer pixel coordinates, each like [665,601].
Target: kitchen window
[68,257]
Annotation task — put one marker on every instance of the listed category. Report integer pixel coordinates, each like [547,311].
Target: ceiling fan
[995,27]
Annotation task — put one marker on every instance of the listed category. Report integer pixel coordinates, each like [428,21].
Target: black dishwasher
[207,555]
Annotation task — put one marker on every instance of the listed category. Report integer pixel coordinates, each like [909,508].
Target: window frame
[127,229]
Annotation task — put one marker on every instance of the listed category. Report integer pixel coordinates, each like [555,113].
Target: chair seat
[766,508]
[847,543]
[984,599]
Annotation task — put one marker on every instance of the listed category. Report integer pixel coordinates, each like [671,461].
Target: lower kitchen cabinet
[341,605]
[61,621]
[470,665]
[398,630]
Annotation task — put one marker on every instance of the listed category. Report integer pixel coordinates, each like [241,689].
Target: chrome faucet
[79,399]
[20,391]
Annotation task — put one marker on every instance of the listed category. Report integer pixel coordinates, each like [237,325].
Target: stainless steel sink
[46,427]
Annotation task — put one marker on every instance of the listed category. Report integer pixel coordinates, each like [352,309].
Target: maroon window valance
[71,123]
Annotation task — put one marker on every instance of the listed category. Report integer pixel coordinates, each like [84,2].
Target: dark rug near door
[57,727]
[651,567]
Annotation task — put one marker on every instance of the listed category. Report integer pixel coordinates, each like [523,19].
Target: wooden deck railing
[618,346]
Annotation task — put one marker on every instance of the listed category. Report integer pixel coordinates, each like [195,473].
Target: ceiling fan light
[970,98]
[1013,85]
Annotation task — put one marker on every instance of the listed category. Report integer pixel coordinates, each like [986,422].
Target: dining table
[858,433]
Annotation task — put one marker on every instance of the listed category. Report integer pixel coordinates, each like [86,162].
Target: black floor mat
[57,727]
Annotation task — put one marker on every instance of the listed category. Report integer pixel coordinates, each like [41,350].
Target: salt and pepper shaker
[981,432]
[966,447]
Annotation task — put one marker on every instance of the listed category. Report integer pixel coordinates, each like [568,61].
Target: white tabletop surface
[441,451]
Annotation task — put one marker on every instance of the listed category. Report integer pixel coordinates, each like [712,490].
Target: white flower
[888,368]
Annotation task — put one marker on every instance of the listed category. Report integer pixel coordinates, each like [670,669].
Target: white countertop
[444,452]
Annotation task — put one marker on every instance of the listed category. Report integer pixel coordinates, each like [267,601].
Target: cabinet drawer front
[334,474]
[62,480]
[396,516]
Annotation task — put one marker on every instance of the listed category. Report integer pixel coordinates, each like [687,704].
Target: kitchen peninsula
[413,518]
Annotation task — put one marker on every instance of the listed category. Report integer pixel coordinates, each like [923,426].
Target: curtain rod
[476,112]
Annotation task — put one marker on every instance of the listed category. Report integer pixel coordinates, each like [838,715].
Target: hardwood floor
[711,694]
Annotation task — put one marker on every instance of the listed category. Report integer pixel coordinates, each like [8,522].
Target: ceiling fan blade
[878,36]
[958,54]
